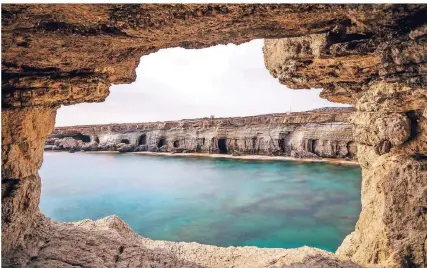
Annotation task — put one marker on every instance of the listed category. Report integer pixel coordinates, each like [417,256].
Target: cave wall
[386,84]
[371,56]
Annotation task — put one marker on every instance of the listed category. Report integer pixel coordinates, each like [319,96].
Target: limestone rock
[123,148]
[372,56]
[109,242]
[297,154]
[394,194]
[321,133]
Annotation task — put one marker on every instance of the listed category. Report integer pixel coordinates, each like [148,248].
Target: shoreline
[255,157]
[335,161]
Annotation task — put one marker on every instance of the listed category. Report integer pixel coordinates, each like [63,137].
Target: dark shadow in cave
[126,141]
[161,142]
[222,145]
[142,140]
[282,145]
[176,144]
[254,143]
[81,137]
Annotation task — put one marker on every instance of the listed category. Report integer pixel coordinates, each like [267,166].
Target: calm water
[212,201]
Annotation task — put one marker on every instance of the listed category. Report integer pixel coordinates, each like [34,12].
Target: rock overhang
[372,56]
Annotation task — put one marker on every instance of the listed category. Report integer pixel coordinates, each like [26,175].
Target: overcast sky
[176,83]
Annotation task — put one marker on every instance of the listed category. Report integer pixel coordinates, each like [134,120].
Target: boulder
[92,146]
[153,148]
[303,154]
[123,148]
[141,148]
[164,148]
[177,150]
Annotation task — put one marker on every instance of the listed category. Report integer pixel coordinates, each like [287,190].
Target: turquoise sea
[212,201]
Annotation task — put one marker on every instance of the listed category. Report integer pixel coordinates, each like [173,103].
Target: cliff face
[372,56]
[384,78]
[309,134]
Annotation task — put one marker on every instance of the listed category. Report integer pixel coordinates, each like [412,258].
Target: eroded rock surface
[320,133]
[372,56]
[385,79]
[109,242]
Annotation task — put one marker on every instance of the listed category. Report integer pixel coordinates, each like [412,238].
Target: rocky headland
[323,133]
[373,57]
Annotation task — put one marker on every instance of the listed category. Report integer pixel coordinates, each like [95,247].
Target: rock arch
[372,56]
[125,141]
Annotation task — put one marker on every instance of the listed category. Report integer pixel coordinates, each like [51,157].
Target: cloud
[172,84]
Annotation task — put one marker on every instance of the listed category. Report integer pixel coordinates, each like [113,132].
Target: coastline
[335,161]
[255,157]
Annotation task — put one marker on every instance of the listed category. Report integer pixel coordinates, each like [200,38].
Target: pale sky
[173,84]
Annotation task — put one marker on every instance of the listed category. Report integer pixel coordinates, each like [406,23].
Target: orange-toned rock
[372,56]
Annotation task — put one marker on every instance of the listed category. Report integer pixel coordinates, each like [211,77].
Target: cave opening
[142,140]
[161,142]
[313,145]
[96,139]
[176,144]
[310,145]
[81,137]
[125,141]
[282,144]
[254,143]
[222,145]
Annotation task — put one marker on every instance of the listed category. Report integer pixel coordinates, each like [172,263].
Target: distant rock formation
[321,133]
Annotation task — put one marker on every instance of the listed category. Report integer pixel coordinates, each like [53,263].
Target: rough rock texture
[384,76]
[372,56]
[24,132]
[324,133]
[109,242]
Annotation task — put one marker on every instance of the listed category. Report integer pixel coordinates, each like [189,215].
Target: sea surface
[222,202]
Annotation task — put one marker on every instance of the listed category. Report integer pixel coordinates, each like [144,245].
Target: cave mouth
[82,137]
[254,139]
[222,145]
[125,141]
[176,144]
[161,142]
[282,145]
[96,139]
[142,140]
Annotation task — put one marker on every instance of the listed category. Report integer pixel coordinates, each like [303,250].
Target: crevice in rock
[335,38]
[413,117]
[383,147]
[8,187]
[142,140]
[414,20]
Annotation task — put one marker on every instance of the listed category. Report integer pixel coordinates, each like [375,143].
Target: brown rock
[372,56]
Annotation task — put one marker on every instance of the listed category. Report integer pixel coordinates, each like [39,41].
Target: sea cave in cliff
[173,170]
